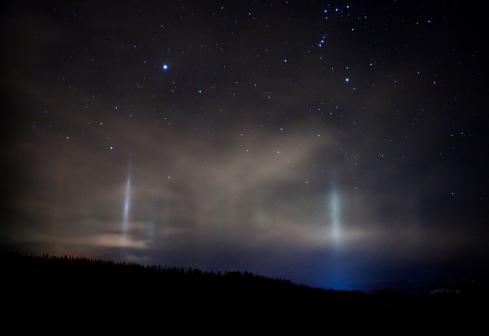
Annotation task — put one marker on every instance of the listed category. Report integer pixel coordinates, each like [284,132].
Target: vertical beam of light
[125,208]
[339,272]
[335,215]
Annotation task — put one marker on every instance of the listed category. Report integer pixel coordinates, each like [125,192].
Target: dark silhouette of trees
[33,282]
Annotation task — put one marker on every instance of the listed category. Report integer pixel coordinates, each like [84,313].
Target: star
[165,67]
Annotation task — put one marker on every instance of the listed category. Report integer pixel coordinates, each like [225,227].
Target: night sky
[337,144]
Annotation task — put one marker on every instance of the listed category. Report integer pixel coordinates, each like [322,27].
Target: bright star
[165,67]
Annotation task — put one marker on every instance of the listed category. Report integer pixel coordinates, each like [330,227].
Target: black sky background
[234,153]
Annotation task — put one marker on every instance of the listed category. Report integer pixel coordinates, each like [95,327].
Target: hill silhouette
[106,286]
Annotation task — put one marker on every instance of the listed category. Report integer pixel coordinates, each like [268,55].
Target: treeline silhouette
[107,286]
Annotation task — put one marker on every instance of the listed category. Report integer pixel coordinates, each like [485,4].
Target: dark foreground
[65,285]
